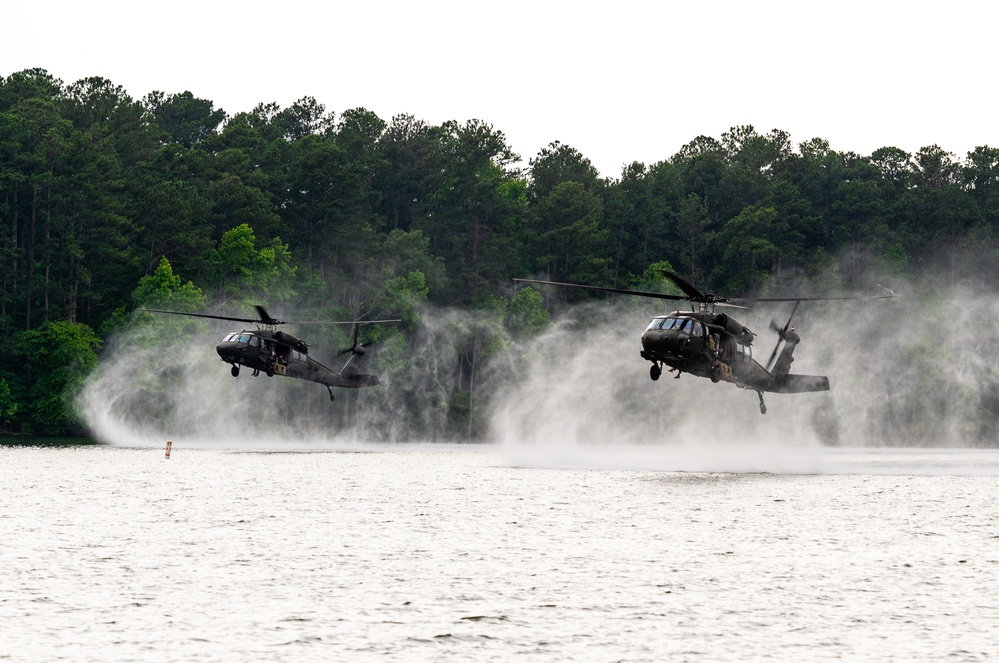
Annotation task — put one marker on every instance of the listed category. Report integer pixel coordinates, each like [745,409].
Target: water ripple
[114,554]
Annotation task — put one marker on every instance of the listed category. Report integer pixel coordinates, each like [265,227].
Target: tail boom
[799,384]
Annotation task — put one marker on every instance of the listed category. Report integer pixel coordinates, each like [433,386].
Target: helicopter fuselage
[716,346]
[280,353]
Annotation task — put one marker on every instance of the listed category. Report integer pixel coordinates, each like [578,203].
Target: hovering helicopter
[716,345]
[276,352]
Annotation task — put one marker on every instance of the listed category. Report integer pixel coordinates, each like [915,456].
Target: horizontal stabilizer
[797,384]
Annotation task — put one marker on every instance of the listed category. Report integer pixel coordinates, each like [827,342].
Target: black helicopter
[716,345]
[274,352]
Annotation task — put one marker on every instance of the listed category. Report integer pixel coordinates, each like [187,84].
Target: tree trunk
[471,389]
[30,257]
[13,255]
[74,279]
[48,248]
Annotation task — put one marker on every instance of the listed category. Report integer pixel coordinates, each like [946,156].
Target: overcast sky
[620,81]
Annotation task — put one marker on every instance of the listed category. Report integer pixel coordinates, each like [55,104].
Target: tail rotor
[355,347]
[781,333]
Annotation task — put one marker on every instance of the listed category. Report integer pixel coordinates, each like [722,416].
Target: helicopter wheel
[270,370]
[763,406]
[715,374]
[234,370]
[655,372]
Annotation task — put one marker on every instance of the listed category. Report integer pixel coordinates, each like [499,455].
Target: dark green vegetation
[62,441]
[110,203]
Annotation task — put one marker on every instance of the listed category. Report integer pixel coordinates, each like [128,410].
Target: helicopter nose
[227,351]
[657,340]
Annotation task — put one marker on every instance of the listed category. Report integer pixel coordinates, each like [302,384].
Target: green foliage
[752,243]
[238,269]
[164,290]
[526,314]
[403,295]
[8,404]
[184,118]
[102,197]
[894,260]
[58,356]
[570,234]
[655,280]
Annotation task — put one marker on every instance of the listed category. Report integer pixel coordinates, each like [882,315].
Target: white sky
[621,81]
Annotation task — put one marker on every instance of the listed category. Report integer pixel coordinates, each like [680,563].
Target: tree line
[109,204]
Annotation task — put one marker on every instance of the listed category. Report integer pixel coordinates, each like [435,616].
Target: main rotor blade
[687,287]
[695,295]
[787,324]
[201,315]
[770,362]
[809,299]
[341,322]
[617,291]
[267,320]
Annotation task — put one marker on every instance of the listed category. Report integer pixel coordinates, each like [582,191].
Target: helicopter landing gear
[234,370]
[715,374]
[763,406]
[330,389]
[655,372]
[270,370]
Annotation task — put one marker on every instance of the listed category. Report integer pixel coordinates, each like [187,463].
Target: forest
[109,204]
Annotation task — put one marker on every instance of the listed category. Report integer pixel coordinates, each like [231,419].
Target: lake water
[443,553]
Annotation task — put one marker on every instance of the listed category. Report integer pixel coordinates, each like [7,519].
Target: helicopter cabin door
[691,333]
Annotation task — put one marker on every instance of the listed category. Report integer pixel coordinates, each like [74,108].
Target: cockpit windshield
[668,322]
[686,325]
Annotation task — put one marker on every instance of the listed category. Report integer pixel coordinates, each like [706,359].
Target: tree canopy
[108,203]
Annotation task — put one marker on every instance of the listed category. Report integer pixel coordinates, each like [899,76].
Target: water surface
[486,553]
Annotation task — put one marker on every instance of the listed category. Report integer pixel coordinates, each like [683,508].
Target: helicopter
[275,352]
[716,346]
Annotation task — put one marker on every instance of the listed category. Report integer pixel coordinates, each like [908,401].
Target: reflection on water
[447,553]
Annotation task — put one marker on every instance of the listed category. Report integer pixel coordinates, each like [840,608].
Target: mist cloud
[919,370]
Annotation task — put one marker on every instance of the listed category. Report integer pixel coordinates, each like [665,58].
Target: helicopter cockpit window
[255,341]
[692,327]
[671,323]
[243,338]
[656,323]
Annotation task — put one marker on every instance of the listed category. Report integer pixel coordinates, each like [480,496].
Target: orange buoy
[169,444]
